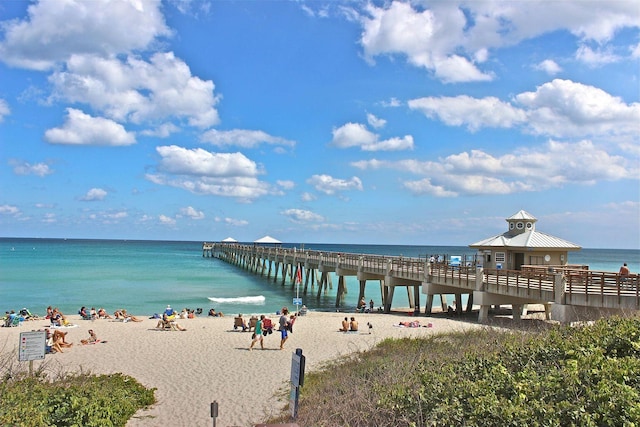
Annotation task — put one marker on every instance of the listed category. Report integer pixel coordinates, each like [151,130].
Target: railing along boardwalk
[569,285]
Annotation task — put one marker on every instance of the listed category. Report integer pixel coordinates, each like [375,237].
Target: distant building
[522,245]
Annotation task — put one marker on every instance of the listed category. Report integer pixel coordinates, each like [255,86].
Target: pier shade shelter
[229,240]
[522,245]
[267,240]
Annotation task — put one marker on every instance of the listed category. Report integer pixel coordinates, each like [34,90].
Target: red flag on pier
[299,275]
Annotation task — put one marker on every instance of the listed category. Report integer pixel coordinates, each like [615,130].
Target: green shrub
[563,376]
[73,400]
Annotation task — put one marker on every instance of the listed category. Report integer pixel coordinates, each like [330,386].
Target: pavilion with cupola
[522,245]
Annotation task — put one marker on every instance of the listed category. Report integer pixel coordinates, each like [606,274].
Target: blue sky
[425,122]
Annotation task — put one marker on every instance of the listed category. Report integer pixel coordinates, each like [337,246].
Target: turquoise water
[145,276]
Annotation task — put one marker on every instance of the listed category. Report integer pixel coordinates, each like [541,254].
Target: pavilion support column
[410,298]
[459,303]
[285,267]
[429,305]
[547,311]
[516,310]
[341,291]
[470,303]
[443,302]
[361,292]
[389,298]
[483,316]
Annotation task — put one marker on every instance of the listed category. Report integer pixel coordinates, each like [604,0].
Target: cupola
[521,222]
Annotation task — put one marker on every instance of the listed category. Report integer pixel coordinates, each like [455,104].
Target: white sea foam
[258,300]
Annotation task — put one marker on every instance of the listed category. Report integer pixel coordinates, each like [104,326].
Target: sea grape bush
[556,376]
[71,400]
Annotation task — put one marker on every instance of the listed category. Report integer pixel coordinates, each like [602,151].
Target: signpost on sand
[32,347]
[297,380]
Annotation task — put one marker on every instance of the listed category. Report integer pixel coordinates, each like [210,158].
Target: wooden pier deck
[571,292]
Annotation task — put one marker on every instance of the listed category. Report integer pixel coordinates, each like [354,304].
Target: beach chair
[238,322]
[15,321]
[252,324]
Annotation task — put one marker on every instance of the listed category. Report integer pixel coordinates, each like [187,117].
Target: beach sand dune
[211,362]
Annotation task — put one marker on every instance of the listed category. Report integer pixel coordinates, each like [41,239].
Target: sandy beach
[211,361]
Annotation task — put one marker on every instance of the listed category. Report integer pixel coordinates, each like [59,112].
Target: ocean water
[144,276]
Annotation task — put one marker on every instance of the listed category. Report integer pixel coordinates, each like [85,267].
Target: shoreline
[210,360]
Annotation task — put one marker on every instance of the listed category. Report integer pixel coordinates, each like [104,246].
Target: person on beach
[257,335]
[345,325]
[169,311]
[239,322]
[93,338]
[52,346]
[371,304]
[624,271]
[59,338]
[353,325]
[57,318]
[362,305]
[93,313]
[102,314]
[284,327]
[126,317]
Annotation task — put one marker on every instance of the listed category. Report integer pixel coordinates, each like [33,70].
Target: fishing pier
[567,292]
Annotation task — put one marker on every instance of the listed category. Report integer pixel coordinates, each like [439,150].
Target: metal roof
[527,239]
[523,215]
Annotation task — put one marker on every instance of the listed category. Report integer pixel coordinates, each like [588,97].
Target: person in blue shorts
[283,328]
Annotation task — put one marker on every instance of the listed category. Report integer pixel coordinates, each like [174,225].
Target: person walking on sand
[257,335]
[284,334]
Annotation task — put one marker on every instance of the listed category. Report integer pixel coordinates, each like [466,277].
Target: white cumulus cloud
[83,129]
[330,185]
[243,138]
[95,194]
[53,32]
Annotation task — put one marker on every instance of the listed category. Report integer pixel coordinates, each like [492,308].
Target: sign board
[455,260]
[297,301]
[295,370]
[32,345]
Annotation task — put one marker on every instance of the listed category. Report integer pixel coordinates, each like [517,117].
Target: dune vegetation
[560,376]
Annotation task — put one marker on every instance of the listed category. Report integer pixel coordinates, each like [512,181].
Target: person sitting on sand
[212,312]
[165,321]
[49,313]
[345,325]
[130,317]
[26,314]
[353,325]
[57,318]
[102,314]
[83,313]
[93,313]
[93,338]
[239,322]
[59,337]
[52,346]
